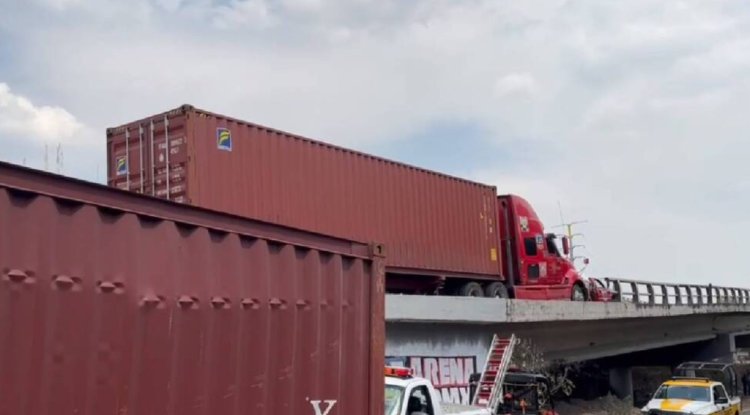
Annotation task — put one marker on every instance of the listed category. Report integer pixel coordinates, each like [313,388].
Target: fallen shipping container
[432,224]
[117,303]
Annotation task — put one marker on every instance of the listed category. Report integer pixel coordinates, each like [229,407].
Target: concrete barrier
[477,310]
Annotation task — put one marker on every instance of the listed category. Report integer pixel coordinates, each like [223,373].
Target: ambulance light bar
[399,372]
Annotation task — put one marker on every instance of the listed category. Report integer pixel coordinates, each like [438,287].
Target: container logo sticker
[224,139]
[122,165]
[524,224]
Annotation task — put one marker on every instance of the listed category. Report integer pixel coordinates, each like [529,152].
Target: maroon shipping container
[431,224]
[116,303]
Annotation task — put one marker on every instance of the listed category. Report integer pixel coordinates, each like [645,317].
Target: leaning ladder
[490,389]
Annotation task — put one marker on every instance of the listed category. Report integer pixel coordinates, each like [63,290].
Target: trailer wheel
[578,293]
[496,290]
[471,289]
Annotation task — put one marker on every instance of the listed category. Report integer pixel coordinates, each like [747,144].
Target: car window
[394,395]
[530,246]
[552,246]
[691,393]
[420,402]
[719,393]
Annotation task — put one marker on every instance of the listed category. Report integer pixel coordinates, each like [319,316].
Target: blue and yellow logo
[122,166]
[224,139]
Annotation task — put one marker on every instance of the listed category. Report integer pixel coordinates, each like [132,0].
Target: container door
[128,158]
[167,171]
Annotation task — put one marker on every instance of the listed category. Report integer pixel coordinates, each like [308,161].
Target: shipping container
[432,224]
[118,303]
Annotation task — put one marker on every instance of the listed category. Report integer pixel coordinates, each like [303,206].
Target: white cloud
[171,5]
[303,5]
[48,124]
[633,114]
[243,13]
[48,137]
[516,84]
[58,4]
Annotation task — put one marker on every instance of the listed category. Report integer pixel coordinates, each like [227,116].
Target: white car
[409,395]
[692,396]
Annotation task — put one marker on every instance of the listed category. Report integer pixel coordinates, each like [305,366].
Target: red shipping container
[430,223]
[116,303]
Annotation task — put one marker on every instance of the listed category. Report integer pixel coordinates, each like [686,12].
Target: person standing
[746,384]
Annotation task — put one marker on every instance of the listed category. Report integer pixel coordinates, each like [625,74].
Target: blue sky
[631,115]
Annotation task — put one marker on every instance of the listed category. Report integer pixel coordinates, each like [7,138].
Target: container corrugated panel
[116,303]
[428,221]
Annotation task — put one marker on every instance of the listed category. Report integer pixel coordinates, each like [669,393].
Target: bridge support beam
[721,349]
[621,382]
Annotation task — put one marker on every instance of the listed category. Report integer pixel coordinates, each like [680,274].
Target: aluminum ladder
[490,388]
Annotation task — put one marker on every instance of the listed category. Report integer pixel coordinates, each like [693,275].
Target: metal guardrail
[666,294]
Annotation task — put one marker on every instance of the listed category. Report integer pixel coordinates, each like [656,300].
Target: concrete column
[742,348]
[621,382]
[721,349]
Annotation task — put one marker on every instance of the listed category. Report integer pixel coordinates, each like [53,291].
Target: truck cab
[698,396]
[406,394]
[532,262]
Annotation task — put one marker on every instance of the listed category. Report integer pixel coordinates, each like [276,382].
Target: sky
[630,115]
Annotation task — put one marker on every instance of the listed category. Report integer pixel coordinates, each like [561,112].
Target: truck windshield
[394,395]
[691,393]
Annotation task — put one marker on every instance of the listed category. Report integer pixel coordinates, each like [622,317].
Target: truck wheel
[496,290]
[578,294]
[471,289]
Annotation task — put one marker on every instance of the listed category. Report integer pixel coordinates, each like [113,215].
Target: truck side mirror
[566,245]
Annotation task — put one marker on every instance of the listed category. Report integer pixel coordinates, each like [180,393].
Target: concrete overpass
[448,329]
[562,329]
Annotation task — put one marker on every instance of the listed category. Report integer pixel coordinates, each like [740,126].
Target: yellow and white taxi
[695,396]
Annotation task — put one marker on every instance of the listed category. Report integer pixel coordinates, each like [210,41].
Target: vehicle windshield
[393,397]
[691,393]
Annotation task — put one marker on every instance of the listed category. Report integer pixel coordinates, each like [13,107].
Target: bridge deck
[439,309]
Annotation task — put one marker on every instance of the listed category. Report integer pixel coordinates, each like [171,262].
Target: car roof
[691,382]
[399,381]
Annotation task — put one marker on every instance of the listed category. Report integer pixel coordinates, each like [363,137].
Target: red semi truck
[117,303]
[443,234]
